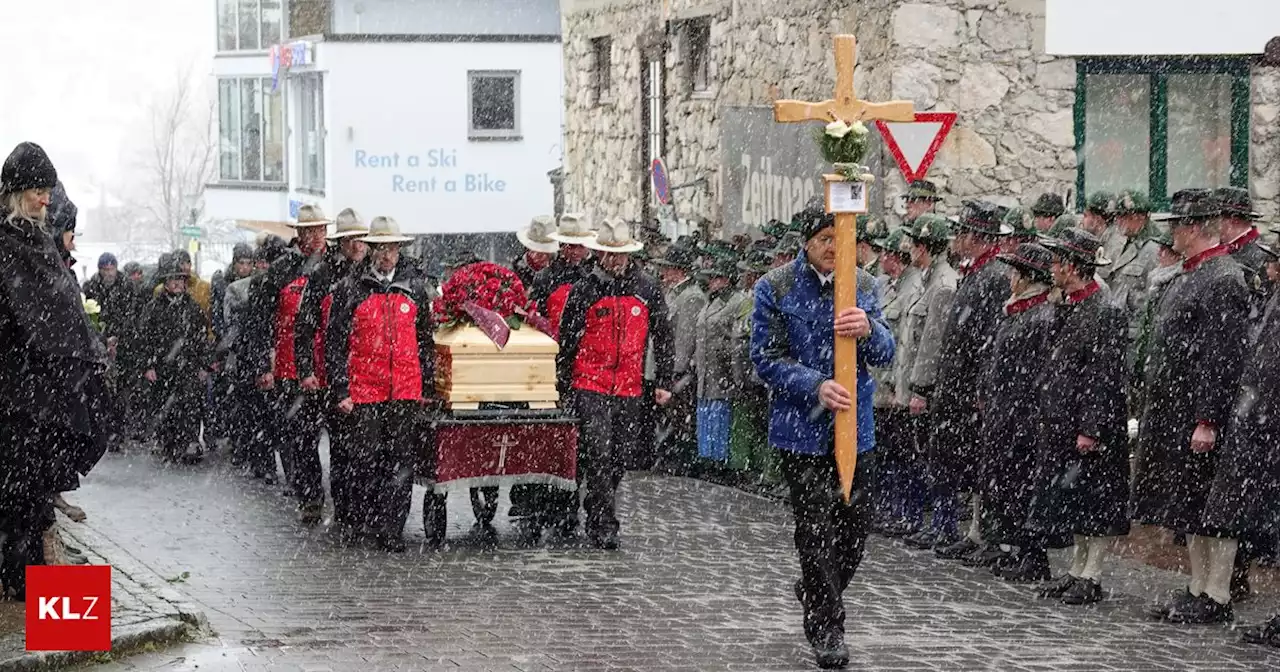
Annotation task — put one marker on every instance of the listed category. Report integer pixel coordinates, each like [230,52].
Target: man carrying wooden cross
[794,327]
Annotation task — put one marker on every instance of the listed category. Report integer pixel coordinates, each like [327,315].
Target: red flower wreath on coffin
[489,296]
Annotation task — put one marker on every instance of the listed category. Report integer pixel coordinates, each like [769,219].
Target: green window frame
[1158,70]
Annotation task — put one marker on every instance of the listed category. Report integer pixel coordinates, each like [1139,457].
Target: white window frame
[235,19]
[474,133]
[265,92]
[311,86]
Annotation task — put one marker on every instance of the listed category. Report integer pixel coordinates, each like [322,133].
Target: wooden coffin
[471,369]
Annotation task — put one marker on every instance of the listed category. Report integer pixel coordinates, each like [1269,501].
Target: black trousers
[342,476]
[830,535]
[383,444]
[28,470]
[606,432]
[298,418]
[181,396]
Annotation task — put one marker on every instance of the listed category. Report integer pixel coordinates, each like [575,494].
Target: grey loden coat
[915,369]
[1198,349]
[685,302]
[713,351]
[1082,393]
[970,331]
[1010,399]
[1130,268]
[899,295]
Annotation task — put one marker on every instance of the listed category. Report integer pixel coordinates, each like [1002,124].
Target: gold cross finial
[845,106]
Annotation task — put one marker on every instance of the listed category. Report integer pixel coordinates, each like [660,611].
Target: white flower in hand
[838,129]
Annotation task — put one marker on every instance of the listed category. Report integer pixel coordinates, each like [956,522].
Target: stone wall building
[1051,95]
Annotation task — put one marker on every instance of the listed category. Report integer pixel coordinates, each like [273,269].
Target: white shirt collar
[823,279]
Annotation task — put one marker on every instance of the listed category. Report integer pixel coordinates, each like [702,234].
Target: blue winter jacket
[793,348]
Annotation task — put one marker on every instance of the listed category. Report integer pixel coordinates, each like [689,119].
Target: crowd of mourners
[1028,380]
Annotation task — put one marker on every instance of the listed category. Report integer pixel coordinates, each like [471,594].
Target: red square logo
[69,608]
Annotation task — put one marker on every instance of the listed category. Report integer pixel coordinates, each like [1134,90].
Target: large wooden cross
[845,107]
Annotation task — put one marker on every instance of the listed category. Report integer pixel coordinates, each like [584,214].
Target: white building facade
[446,117]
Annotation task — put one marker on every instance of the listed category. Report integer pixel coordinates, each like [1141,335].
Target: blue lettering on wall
[440,165]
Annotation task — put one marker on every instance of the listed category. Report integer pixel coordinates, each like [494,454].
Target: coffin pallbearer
[540,249]
[1256,502]
[713,362]
[607,324]
[536,507]
[915,371]
[1133,254]
[1241,236]
[1198,349]
[274,302]
[380,358]
[685,298]
[343,262]
[1045,211]
[793,332]
[903,285]
[1011,410]
[954,453]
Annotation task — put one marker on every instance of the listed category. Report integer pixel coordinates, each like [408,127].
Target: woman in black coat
[1082,465]
[51,390]
[1010,411]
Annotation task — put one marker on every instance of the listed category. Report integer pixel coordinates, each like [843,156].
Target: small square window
[602,70]
[698,48]
[494,103]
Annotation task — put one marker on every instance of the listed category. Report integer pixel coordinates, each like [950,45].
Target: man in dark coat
[177,356]
[1241,236]
[1246,491]
[970,330]
[1193,371]
[1011,409]
[1081,474]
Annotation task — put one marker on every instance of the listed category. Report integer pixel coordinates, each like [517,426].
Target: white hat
[385,230]
[349,224]
[539,235]
[574,229]
[614,236]
[310,215]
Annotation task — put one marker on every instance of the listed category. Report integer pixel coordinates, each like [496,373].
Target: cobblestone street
[703,582]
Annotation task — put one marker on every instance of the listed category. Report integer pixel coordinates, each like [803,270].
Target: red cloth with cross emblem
[472,455]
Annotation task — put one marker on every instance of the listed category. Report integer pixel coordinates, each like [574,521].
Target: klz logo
[69,608]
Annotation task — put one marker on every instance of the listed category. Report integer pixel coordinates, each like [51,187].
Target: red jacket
[313,314]
[379,344]
[272,314]
[604,333]
[551,289]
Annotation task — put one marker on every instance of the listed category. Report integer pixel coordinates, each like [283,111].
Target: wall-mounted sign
[915,144]
[289,55]
[661,187]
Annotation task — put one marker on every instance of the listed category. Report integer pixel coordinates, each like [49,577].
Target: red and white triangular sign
[915,144]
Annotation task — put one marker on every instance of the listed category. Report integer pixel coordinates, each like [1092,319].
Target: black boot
[958,550]
[1083,591]
[1267,633]
[1241,590]
[1203,610]
[1027,566]
[1057,589]
[923,540]
[986,556]
[830,652]
[1179,600]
